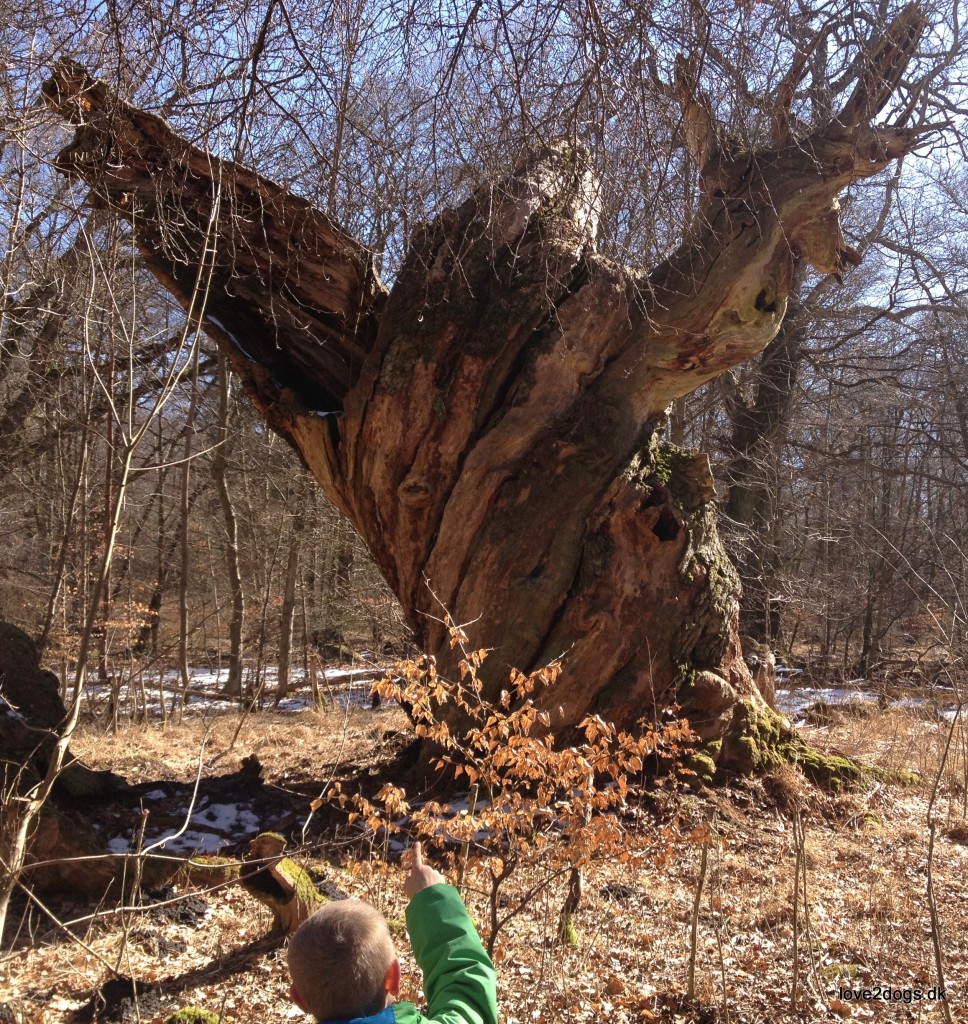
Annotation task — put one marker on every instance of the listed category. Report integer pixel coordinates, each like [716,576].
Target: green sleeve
[459,979]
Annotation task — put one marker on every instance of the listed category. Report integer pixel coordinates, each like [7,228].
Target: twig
[934,917]
[795,981]
[191,803]
[314,805]
[65,926]
[807,929]
[694,937]
[936,922]
[466,846]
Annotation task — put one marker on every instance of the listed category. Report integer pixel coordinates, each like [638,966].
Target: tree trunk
[492,425]
[288,610]
[233,685]
[758,428]
[184,547]
[104,632]
[60,569]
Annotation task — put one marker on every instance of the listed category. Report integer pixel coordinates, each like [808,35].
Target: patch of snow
[911,702]
[154,794]
[294,704]
[210,827]
[361,673]
[231,818]
[795,702]
[155,692]
[189,841]
[10,711]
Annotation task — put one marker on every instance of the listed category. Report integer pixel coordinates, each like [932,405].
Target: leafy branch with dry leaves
[540,807]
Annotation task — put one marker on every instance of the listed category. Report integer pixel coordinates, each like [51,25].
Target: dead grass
[866,862]
[900,738]
[284,744]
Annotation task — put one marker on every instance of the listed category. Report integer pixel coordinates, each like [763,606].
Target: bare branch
[782,128]
[306,285]
[698,124]
[884,67]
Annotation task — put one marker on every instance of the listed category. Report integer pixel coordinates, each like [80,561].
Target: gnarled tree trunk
[491,426]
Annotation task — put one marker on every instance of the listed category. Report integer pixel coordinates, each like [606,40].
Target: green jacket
[459,979]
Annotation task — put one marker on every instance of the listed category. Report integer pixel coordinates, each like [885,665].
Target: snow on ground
[340,686]
[794,701]
[209,827]
[352,687]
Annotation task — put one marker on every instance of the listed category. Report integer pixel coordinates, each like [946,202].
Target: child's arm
[459,979]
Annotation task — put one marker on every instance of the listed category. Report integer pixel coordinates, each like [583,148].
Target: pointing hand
[421,875]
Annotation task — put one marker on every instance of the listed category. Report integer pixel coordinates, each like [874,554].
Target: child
[344,967]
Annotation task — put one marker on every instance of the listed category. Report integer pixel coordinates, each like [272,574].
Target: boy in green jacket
[344,967]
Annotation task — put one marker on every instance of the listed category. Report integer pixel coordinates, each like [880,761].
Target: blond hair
[339,959]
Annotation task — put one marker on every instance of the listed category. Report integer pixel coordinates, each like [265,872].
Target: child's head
[342,962]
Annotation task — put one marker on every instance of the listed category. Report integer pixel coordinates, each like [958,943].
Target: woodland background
[150,522]
[841,455]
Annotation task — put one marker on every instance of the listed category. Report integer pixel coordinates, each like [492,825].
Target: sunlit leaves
[540,804]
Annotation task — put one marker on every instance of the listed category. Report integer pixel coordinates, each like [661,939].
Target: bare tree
[513,372]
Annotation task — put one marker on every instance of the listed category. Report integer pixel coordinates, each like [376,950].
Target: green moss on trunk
[761,739]
[279,882]
[702,764]
[209,870]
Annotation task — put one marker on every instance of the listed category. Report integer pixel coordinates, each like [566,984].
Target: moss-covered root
[568,931]
[280,883]
[702,764]
[761,740]
[209,870]
[192,1015]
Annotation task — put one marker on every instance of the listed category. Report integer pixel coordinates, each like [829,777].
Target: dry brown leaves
[866,924]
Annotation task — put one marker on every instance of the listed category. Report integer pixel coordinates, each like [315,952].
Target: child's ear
[297,999]
[392,983]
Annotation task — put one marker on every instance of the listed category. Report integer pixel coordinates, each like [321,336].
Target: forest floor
[866,923]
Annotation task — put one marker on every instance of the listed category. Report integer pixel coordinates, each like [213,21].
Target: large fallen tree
[492,425]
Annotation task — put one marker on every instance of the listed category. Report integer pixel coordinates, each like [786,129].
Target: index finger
[416,859]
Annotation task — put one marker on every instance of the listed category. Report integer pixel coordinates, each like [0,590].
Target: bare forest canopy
[282,286]
[666,207]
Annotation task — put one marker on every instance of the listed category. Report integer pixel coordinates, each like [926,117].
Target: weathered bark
[498,444]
